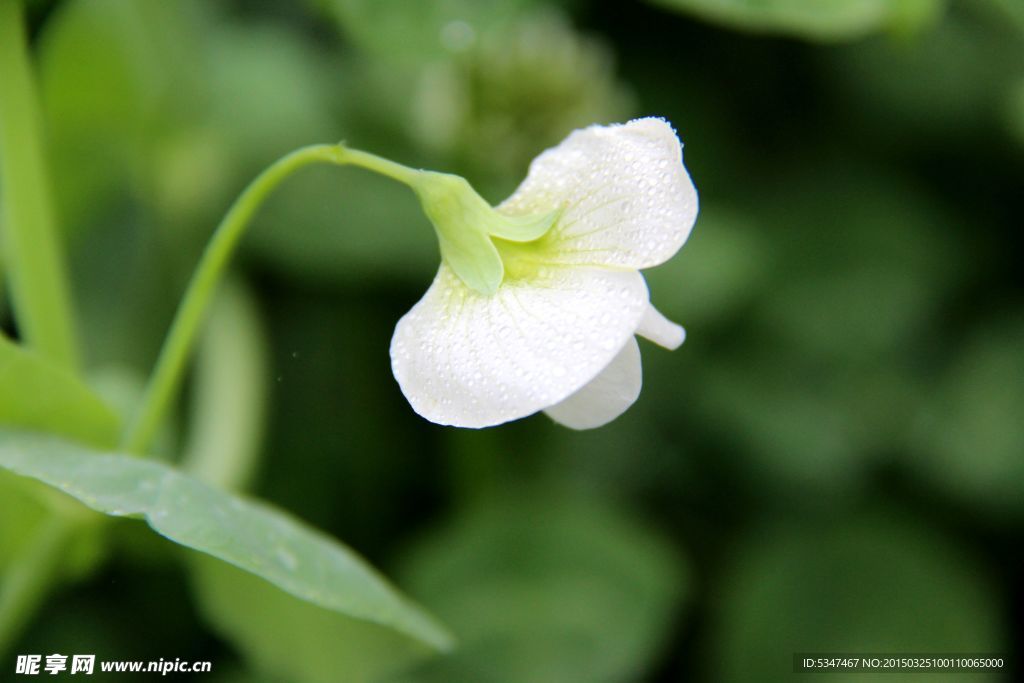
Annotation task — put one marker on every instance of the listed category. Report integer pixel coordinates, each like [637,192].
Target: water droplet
[287,558]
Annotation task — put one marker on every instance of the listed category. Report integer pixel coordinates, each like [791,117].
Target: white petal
[627,198]
[606,396]
[660,330]
[470,360]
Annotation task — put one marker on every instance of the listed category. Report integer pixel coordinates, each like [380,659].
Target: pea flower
[537,302]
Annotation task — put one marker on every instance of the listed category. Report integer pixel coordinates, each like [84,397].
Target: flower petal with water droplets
[626,197]
[660,330]
[470,360]
[606,396]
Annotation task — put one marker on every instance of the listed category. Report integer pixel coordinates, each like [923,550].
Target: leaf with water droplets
[250,535]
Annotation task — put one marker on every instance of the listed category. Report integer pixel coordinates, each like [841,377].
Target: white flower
[557,333]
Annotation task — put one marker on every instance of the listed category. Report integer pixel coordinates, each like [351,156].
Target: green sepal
[524,228]
[465,224]
[460,217]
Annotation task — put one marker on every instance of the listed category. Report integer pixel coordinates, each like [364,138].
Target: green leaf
[873,583]
[969,436]
[247,534]
[290,639]
[37,395]
[548,587]
[936,90]
[279,634]
[816,20]
[40,292]
[422,30]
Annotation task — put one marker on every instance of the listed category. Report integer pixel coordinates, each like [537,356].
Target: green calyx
[466,225]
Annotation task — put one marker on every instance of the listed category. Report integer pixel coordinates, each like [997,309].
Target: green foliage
[404,30]
[546,587]
[40,291]
[863,286]
[812,19]
[946,84]
[39,395]
[838,302]
[872,583]
[271,81]
[290,639]
[148,54]
[250,535]
[970,437]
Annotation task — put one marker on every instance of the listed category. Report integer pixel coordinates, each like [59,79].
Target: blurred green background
[834,461]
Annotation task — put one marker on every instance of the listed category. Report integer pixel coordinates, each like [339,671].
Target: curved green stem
[39,288]
[166,377]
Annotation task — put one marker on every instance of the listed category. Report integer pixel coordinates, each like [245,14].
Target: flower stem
[166,377]
[39,288]
[372,162]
